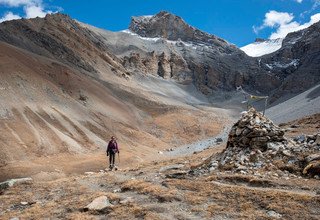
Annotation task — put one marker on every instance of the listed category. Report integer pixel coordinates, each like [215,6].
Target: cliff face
[297,62]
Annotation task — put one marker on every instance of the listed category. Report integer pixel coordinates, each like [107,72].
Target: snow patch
[157,39]
[294,63]
[154,39]
[258,49]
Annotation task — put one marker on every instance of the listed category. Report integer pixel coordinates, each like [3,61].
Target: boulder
[99,204]
[313,168]
[274,214]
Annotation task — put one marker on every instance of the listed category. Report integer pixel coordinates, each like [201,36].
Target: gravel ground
[198,146]
[304,104]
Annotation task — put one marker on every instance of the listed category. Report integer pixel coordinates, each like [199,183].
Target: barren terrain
[67,87]
[158,190]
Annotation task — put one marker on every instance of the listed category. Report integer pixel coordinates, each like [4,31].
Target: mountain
[171,27]
[262,47]
[165,45]
[66,87]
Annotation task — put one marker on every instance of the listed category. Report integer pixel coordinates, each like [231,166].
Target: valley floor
[165,190]
[161,187]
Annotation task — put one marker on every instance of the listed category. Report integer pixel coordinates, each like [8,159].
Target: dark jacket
[113,147]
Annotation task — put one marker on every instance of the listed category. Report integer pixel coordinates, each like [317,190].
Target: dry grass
[161,193]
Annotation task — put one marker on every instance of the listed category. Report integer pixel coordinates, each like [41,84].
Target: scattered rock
[12,182]
[286,153]
[312,157]
[274,214]
[300,138]
[313,168]
[117,190]
[219,140]
[317,140]
[256,144]
[99,204]
[171,167]
[177,175]
[127,200]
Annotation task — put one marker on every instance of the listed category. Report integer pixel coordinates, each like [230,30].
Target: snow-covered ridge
[258,49]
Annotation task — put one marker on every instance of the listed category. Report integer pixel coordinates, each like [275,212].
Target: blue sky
[237,21]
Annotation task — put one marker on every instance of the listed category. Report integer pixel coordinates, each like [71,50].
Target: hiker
[111,151]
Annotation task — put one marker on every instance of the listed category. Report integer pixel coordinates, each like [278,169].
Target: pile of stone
[255,131]
[257,146]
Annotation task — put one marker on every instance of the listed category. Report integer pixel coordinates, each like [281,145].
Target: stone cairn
[255,131]
[257,146]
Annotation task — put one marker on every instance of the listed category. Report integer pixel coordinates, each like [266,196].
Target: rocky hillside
[297,62]
[62,90]
[165,45]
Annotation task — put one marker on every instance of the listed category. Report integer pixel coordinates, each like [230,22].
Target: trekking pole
[119,158]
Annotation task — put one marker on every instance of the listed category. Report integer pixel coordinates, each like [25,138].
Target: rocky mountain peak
[172,27]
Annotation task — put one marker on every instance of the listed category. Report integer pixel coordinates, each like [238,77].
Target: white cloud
[17,3]
[274,18]
[31,8]
[283,30]
[299,1]
[9,16]
[35,11]
[284,24]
